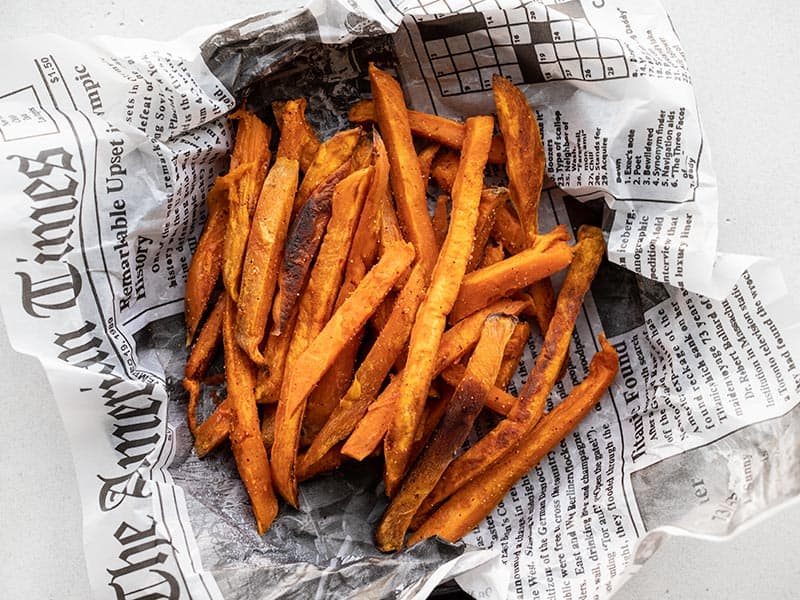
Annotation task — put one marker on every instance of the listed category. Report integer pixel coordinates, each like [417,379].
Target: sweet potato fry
[525,169]
[391,116]
[206,264]
[330,158]
[251,153]
[513,354]
[432,316]
[302,243]
[203,350]
[268,425]
[531,402]
[486,285]
[264,251]
[491,198]
[306,372]
[214,430]
[450,434]
[440,219]
[438,129]
[473,502]
[308,143]
[444,168]
[456,342]
[291,123]
[331,460]
[508,231]
[245,434]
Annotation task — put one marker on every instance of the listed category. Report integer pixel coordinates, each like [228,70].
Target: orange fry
[245,434]
[206,262]
[264,251]
[302,243]
[308,142]
[251,152]
[306,372]
[426,157]
[449,435]
[533,397]
[456,342]
[473,502]
[513,354]
[391,116]
[438,129]
[506,229]
[491,198]
[330,158]
[270,377]
[442,291]
[486,285]
[203,350]
[214,430]
[493,253]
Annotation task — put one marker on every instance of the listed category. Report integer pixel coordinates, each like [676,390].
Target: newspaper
[109,149]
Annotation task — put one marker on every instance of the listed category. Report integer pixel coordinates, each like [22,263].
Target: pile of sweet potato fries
[355,323]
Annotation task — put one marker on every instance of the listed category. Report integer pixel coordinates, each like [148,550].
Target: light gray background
[743,56]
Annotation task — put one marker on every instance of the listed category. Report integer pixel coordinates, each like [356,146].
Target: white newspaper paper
[108,150]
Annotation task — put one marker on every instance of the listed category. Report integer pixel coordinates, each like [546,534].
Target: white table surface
[743,58]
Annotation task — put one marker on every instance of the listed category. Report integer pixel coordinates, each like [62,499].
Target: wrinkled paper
[109,149]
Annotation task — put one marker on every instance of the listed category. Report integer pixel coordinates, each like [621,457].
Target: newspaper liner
[109,150]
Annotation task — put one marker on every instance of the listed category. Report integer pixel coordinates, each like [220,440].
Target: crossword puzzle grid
[535,44]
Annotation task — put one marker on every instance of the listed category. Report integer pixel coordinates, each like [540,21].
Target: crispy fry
[513,354]
[506,229]
[486,285]
[291,121]
[306,372]
[440,219]
[444,168]
[491,198]
[442,291]
[302,243]
[456,342]
[308,141]
[473,502]
[448,437]
[264,251]
[251,152]
[206,264]
[445,131]
[391,116]
[245,434]
[525,169]
[203,350]
[531,402]
[214,430]
[330,158]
